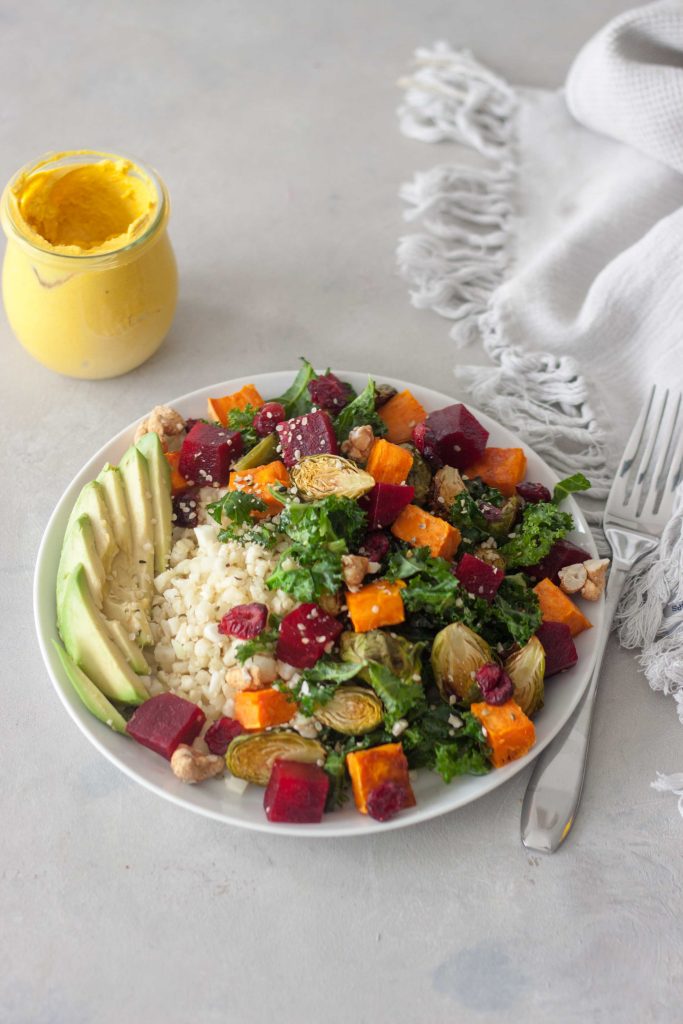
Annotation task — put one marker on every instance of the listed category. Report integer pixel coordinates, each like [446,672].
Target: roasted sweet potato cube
[401,414]
[509,733]
[378,604]
[370,768]
[557,607]
[503,468]
[258,482]
[262,709]
[423,530]
[389,463]
[218,408]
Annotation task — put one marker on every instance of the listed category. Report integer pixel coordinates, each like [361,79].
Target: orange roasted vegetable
[218,408]
[378,604]
[388,463]
[258,482]
[370,768]
[557,607]
[400,414]
[509,733]
[178,482]
[261,709]
[503,468]
[423,530]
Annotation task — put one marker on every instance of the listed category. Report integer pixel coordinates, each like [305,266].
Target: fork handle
[554,791]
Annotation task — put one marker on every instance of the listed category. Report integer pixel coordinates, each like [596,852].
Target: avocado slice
[96,703]
[79,547]
[87,641]
[90,502]
[129,649]
[115,499]
[121,607]
[162,507]
[135,474]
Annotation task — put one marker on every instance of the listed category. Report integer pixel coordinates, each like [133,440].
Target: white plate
[212,799]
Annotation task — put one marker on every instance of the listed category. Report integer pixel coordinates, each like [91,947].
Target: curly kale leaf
[542,524]
[360,412]
[435,740]
[264,643]
[432,594]
[327,521]
[515,609]
[233,512]
[399,696]
[242,420]
[307,573]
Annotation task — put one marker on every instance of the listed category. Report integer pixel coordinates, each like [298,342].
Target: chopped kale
[360,412]
[542,524]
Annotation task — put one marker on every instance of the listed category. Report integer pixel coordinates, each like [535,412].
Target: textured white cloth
[561,251]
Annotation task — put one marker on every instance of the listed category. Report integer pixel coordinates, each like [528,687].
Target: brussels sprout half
[457,653]
[251,755]
[320,476]
[526,669]
[352,710]
[420,476]
[402,657]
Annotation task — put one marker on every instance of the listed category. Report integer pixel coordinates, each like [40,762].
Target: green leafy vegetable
[242,420]
[542,524]
[570,485]
[322,522]
[360,412]
[307,572]
[433,741]
[263,643]
[470,520]
[236,507]
[317,685]
[398,696]
[296,399]
[432,593]
[516,609]
[335,766]
[328,670]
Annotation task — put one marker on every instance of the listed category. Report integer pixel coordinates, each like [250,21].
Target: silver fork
[638,507]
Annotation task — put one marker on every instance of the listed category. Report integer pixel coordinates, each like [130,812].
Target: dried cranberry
[375,546]
[328,392]
[186,508]
[268,417]
[220,735]
[491,513]
[495,684]
[245,621]
[533,493]
[386,800]
[189,423]
[425,442]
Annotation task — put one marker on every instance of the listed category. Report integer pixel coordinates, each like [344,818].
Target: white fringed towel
[561,251]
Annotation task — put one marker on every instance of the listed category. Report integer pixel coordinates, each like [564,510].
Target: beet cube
[164,722]
[304,635]
[459,439]
[562,553]
[311,434]
[220,735]
[560,651]
[296,792]
[478,577]
[384,502]
[207,453]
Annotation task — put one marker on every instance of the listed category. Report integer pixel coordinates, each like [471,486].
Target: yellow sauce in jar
[89,279]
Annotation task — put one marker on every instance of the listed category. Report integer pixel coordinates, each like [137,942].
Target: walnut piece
[594,586]
[354,570]
[573,578]
[164,421]
[191,766]
[360,441]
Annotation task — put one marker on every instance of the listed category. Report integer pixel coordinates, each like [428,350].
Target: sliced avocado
[79,547]
[124,608]
[129,649]
[87,641]
[91,502]
[115,499]
[261,454]
[162,507]
[135,474]
[96,703]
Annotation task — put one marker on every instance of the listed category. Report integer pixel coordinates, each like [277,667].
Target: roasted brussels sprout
[251,755]
[510,512]
[261,454]
[420,476]
[491,556]
[526,668]
[351,710]
[320,476]
[457,653]
[383,392]
[394,652]
[447,485]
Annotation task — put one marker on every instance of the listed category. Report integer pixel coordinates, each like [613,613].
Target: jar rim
[9,221]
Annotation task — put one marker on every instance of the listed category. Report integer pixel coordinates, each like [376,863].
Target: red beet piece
[425,442]
[533,493]
[560,651]
[478,577]
[220,735]
[495,684]
[459,438]
[245,621]
[268,417]
[296,792]
[384,502]
[165,721]
[386,800]
[562,553]
[375,546]
[311,434]
[328,392]
[186,508]
[207,454]
[304,635]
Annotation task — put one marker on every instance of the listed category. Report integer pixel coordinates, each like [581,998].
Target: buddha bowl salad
[321,592]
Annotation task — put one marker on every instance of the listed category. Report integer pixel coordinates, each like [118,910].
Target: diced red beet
[384,502]
[562,553]
[328,392]
[311,434]
[268,417]
[459,438]
[245,621]
[164,722]
[207,453]
[559,647]
[220,735]
[186,508]
[478,577]
[296,792]
[386,800]
[375,546]
[494,682]
[533,493]
[304,635]
[424,441]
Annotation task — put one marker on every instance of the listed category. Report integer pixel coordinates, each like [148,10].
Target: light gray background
[273,125]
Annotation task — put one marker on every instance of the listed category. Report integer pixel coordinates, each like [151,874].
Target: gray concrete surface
[273,125]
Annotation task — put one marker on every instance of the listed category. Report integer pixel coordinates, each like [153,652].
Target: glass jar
[84,305]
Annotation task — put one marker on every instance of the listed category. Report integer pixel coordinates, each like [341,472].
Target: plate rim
[365,826]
